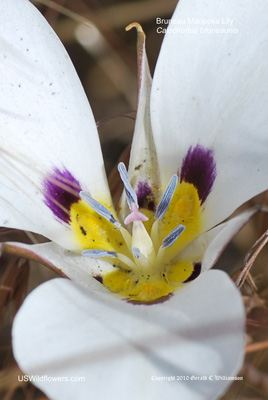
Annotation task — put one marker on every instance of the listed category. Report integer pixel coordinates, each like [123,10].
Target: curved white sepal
[143,164]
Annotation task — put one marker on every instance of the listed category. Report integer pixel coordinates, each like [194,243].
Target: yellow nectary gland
[143,279]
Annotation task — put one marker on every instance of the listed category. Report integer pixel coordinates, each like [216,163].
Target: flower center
[145,252]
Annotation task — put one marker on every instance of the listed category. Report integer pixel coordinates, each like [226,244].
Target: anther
[99,253]
[166,198]
[136,252]
[140,259]
[99,208]
[130,192]
[173,236]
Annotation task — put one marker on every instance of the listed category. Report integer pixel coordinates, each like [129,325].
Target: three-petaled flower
[154,316]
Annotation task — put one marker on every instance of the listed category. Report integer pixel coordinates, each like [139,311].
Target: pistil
[146,252]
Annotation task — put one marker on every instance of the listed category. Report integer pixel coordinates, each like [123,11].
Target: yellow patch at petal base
[93,231]
[142,287]
[184,209]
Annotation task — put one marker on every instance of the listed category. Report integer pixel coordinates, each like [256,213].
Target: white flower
[198,153]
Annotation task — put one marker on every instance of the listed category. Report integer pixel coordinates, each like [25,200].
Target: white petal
[210,89]
[46,122]
[120,348]
[64,262]
[208,247]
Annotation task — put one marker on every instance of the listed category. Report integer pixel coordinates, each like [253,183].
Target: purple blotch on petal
[196,272]
[199,168]
[61,190]
[162,299]
[98,278]
[145,196]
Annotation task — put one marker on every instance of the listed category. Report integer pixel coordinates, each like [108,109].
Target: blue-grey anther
[173,236]
[99,253]
[99,208]
[130,192]
[136,252]
[166,198]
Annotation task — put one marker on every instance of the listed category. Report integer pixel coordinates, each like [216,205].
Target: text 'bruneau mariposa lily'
[199,151]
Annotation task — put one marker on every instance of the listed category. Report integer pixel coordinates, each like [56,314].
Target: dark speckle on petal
[199,168]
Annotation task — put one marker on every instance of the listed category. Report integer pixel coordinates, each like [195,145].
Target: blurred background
[104,55]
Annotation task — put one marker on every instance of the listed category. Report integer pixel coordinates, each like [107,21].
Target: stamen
[136,252]
[126,260]
[99,208]
[130,192]
[126,235]
[99,253]
[140,259]
[155,234]
[173,236]
[166,198]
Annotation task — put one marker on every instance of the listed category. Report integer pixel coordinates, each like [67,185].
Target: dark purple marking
[61,190]
[162,299]
[145,196]
[199,168]
[98,278]
[196,272]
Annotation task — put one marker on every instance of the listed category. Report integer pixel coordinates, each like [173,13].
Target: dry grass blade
[257,347]
[256,378]
[13,285]
[251,257]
